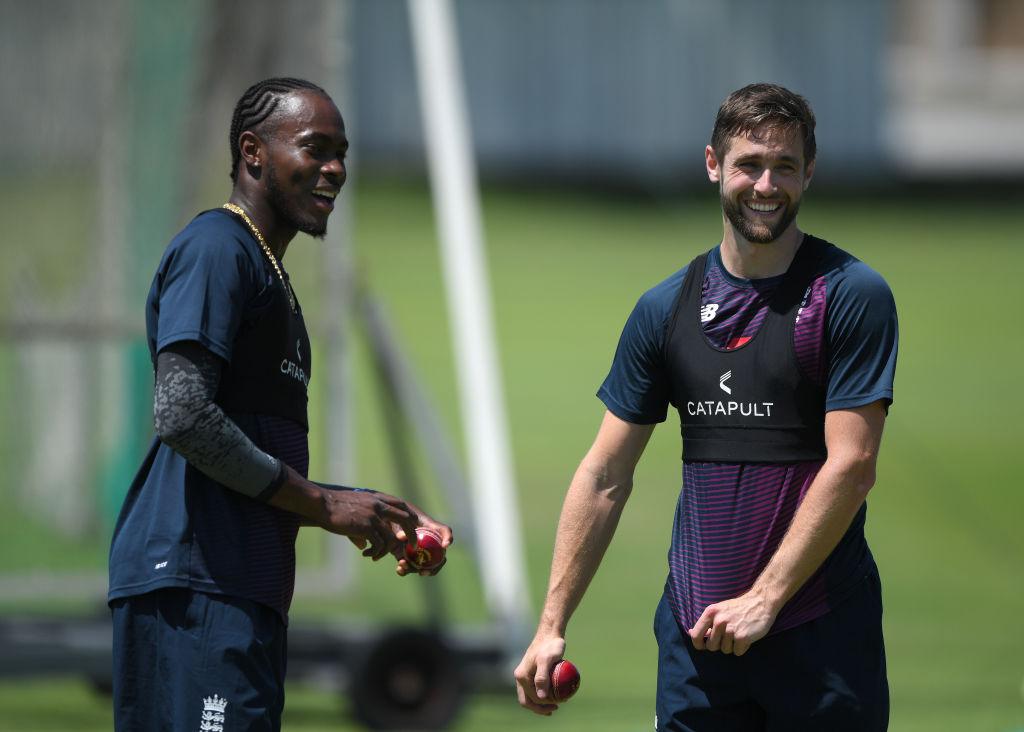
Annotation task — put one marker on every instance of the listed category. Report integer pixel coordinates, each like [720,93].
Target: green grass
[944,519]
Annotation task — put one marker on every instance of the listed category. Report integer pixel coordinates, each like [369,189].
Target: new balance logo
[724,378]
[708,312]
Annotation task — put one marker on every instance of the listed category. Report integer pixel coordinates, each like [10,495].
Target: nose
[334,170]
[765,183]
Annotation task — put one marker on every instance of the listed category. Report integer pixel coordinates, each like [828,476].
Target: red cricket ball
[428,552]
[565,680]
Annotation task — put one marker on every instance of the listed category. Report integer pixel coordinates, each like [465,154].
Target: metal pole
[457,208]
[337,267]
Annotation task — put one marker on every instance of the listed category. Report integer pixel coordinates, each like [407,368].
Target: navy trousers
[828,674]
[185,661]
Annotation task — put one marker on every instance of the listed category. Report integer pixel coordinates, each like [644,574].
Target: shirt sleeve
[636,388]
[863,335]
[206,277]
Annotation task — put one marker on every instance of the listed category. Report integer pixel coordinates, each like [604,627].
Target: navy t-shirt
[178,527]
[730,518]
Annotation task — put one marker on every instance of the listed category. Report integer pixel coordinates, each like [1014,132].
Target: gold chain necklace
[266,250]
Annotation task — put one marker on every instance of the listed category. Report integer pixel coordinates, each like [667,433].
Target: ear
[713,164]
[808,174]
[251,148]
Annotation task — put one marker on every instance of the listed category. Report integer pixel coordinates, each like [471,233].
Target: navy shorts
[185,661]
[827,674]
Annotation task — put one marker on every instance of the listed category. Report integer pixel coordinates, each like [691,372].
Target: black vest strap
[751,403]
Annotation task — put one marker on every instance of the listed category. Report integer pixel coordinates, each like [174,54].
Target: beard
[287,210]
[757,232]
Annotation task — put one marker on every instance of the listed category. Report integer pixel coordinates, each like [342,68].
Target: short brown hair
[765,107]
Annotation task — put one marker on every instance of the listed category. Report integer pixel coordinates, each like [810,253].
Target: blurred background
[587,121]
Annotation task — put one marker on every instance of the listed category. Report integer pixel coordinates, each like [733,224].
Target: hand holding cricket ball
[544,679]
[428,551]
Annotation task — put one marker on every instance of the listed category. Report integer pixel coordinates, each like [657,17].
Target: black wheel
[409,680]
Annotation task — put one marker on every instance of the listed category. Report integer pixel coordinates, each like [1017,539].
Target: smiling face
[761,179]
[305,161]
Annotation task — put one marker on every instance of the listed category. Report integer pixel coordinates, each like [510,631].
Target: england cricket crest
[214,708]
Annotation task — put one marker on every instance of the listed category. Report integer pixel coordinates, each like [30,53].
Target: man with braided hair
[778,351]
[202,561]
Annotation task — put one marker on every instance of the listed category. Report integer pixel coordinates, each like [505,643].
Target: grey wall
[625,89]
[594,90]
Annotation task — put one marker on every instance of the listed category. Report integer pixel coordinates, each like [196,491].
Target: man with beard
[778,351]
[202,561]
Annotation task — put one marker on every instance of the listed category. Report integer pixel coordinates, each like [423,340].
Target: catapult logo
[293,369]
[718,408]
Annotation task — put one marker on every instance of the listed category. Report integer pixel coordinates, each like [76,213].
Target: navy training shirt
[731,517]
[178,527]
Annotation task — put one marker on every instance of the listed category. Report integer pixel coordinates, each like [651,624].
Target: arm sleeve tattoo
[189,422]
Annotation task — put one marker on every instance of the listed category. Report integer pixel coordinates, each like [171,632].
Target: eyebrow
[754,156]
[323,138]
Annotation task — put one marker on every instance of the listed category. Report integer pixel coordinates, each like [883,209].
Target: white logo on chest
[715,408]
[290,368]
[214,714]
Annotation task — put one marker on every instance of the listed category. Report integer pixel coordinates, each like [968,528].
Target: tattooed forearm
[188,421]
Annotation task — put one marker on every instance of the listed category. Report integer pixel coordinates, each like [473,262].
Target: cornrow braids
[257,104]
